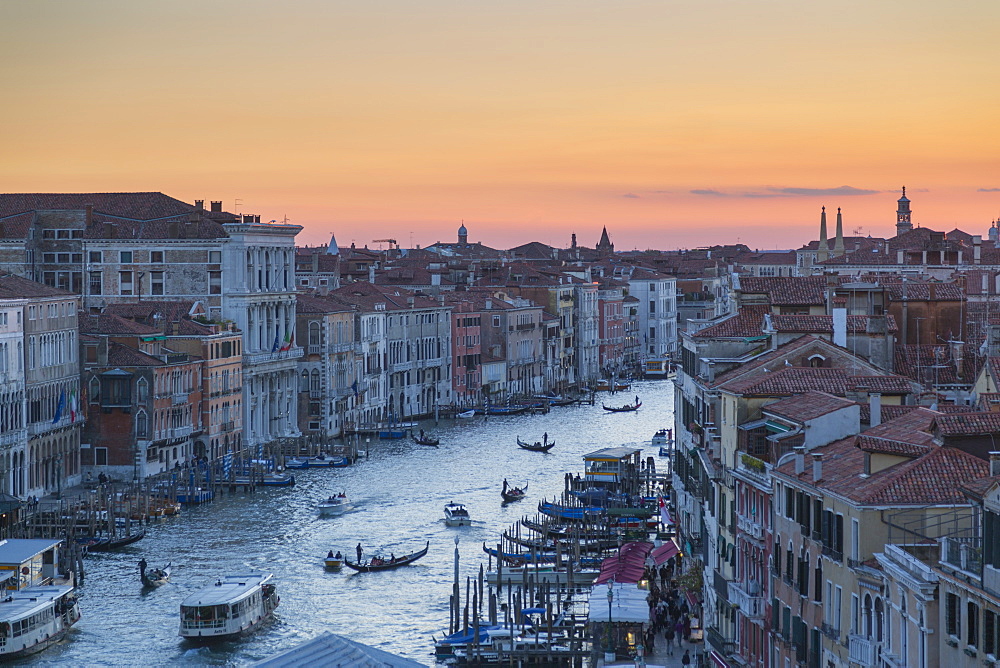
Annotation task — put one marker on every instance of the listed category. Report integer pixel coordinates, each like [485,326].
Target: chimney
[977,249]
[899,257]
[875,408]
[573,245]
[840,326]
[109,230]
[817,466]
[216,207]
[994,463]
[800,459]
[89,215]
[489,304]
[435,279]
[410,301]
[199,204]
[315,263]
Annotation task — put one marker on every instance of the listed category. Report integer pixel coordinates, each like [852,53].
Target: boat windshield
[204,613]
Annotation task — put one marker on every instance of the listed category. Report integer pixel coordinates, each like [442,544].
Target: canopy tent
[628,604]
[627,566]
[665,552]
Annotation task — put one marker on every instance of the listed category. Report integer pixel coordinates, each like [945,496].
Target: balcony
[862,650]
[830,632]
[179,398]
[965,554]
[292,353]
[13,437]
[749,526]
[720,642]
[179,432]
[227,426]
[750,605]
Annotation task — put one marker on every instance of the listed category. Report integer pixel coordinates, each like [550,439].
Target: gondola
[382,564]
[537,446]
[627,408]
[513,493]
[153,577]
[425,439]
[106,544]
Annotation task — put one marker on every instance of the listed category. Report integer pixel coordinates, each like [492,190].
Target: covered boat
[234,605]
[456,515]
[31,619]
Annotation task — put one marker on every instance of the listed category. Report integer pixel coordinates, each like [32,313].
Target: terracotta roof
[787,290]
[978,488]
[887,446]
[108,324]
[169,311]
[889,411]
[795,380]
[968,424]
[921,291]
[122,356]
[745,323]
[824,323]
[807,406]
[935,364]
[133,206]
[15,287]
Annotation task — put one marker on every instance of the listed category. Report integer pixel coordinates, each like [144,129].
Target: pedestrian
[687,626]
[669,636]
[359,552]
[679,630]
[686,659]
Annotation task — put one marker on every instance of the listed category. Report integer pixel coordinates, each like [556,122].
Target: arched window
[304,382]
[816,361]
[142,391]
[315,334]
[141,424]
[879,620]
[314,382]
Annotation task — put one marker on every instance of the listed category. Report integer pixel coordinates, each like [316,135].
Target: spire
[332,248]
[838,246]
[823,253]
[463,234]
[903,221]
[605,245]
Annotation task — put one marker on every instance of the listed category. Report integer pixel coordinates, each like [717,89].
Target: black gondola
[537,446]
[623,409]
[106,544]
[424,439]
[513,493]
[382,564]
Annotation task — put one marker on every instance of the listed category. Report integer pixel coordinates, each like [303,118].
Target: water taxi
[336,504]
[455,515]
[31,619]
[234,605]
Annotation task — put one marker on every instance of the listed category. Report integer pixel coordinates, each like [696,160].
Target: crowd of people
[669,612]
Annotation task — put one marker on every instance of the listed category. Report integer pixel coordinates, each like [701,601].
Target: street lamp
[609,654]
[640,655]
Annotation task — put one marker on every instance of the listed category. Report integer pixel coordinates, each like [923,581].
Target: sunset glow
[674,124]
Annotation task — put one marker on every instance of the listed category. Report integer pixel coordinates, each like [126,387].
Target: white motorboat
[465,415]
[31,619]
[664,438]
[234,605]
[336,504]
[455,515]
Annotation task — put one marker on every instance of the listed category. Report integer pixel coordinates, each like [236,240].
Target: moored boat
[31,619]
[456,515]
[109,543]
[336,504]
[465,415]
[234,605]
[266,480]
[378,563]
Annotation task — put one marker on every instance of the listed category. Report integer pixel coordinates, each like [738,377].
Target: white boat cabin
[610,465]
[34,560]
[233,605]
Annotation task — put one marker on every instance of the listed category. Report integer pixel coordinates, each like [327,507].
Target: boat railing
[203,624]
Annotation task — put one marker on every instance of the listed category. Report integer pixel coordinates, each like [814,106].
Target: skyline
[674,126]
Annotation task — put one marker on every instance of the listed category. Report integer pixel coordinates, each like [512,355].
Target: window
[125,257]
[156,257]
[215,257]
[125,283]
[156,283]
[972,621]
[496,321]
[952,624]
[94,257]
[990,632]
[101,456]
[215,282]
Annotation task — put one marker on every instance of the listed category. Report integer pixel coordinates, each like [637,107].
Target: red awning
[664,552]
[627,566]
[691,599]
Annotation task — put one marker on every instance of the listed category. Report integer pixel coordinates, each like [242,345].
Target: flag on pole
[289,337]
[72,406]
[665,517]
[354,386]
[60,407]
[274,348]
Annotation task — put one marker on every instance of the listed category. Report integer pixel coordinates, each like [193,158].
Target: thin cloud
[988,190]
[710,193]
[849,191]
[631,196]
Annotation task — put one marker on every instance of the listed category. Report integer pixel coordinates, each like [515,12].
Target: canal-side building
[611,325]
[469,310]
[328,372]
[13,429]
[51,370]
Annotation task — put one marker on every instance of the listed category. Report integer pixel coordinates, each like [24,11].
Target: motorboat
[153,577]
[33,618]
[456,515]
[336,504]
[266,480]
[333,562]
[664,438]
[232,606]
[465,415]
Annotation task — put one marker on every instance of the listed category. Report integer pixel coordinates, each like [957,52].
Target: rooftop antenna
[237,203]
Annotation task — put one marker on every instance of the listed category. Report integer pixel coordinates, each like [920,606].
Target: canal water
[398,492]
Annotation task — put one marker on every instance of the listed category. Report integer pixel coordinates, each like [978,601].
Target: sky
[673,123]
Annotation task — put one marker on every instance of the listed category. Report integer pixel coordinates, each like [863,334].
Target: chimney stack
[840,326]
[994,463]
[977,249]
[800,459]
[89,214]
[817,466]
[875,408]
[199,204]
[216,207]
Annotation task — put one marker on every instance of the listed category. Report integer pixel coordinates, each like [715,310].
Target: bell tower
[903,222]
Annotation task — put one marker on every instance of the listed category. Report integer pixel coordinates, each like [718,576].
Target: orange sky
[675,124]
